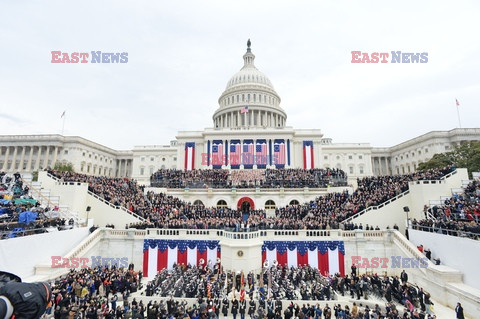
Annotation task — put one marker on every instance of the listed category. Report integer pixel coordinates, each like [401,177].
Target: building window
[350,157]
[151,170]
[198,203]
[447,147]
[142,170]
[426,150]
[350,169]
[325,157]
[361,170]
[221,204]
[360,157]
[338,157]
[163,159]
[270,204]
[65,152]
[152,159]
[83,154]
[142,159]
[294,202]
[174,158]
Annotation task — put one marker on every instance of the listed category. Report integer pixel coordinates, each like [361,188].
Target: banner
[326,256]
[159,254]
[189,156]
[308,155]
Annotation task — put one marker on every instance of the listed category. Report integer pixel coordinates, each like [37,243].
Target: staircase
[44,197]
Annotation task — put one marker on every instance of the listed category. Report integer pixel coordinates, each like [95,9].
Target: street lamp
[406,210]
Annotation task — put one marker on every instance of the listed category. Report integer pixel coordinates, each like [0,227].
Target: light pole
[406,210]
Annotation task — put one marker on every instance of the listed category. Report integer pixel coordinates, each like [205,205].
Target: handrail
[449,232]
[33,230]
[400,239]
[369,208]
[49,202]
[116,207]
[449,175]
[53,177]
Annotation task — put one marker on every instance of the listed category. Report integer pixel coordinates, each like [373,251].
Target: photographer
[22,300]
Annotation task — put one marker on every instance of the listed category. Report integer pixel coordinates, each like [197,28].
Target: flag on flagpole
[457,103]
[63,114]
[244,110]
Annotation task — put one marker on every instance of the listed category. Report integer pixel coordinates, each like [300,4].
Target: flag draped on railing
[159,254]
[326,256]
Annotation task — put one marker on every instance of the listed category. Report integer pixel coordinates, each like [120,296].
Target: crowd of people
[112,292]
[22,215]
[269,178]
[325,212]
[458,216]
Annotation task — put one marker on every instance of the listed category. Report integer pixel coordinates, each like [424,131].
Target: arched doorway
[245,204]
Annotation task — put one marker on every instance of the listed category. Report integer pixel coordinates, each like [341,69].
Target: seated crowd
[325,212]
[22,215]
[458,216]
[110,292]
[269,178]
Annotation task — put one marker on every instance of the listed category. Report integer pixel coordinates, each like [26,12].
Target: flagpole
[458,114]
[64,114]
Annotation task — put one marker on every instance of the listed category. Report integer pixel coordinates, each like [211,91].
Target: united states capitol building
[249,131]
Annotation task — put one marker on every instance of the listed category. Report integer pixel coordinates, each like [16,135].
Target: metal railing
[116,206]
[34,231]
[446,231]
[376,207]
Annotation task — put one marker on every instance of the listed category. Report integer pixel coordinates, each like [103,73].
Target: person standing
[225,304]
[243,308]
[234,307]
[459,311]
[404,277]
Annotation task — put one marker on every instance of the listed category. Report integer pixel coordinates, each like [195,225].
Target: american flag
[326,256]
[159,254]
[244,110]
[261,153]
[279,153]
[456,101]
[235,153]
[217,154]
[247,155]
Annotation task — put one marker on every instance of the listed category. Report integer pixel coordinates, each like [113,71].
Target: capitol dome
[249,100]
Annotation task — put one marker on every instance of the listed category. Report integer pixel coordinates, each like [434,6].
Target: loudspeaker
[406,209]
[89,208]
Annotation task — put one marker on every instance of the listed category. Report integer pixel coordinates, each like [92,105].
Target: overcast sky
[182,53]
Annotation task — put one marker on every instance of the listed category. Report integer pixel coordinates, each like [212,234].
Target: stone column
[55,154]
[14,159]
[5,163]
[22,158]
[47,157]
[37,163]
[29,164]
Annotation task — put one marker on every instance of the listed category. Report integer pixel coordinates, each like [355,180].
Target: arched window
[270,204]
[294,202]
[221,204]
[198,203]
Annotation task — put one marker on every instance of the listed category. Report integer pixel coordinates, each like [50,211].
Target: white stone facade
[263,124]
